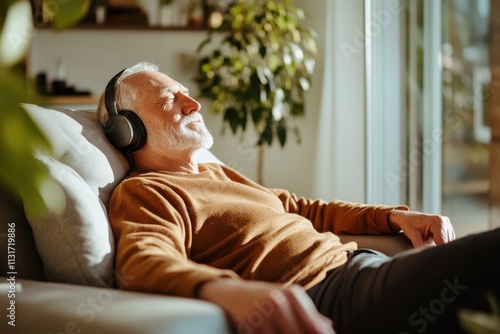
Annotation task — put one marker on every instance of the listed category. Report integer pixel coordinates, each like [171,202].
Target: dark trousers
[416,292]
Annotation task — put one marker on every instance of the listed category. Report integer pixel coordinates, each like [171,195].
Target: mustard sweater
[174,231]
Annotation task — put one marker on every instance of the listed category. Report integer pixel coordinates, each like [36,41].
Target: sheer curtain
[340,161]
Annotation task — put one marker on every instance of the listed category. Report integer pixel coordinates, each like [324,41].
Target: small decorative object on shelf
[167,13]
[195,14]
[173,14]
[58,86]
[152,10]
[100,10]
[216,9]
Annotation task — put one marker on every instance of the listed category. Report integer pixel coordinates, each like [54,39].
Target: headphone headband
[109,95]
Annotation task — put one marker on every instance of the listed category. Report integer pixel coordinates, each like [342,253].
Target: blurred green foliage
[20,138]
[477,322]
[260,68]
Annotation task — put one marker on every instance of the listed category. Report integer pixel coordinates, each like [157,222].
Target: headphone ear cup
[126,131]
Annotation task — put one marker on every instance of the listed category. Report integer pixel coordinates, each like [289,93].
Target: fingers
[305,311]
[442,230]
[425,229]
[415,238]
[450,230]
[266,308]
[289,310]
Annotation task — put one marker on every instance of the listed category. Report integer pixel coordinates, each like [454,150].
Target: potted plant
[259,69]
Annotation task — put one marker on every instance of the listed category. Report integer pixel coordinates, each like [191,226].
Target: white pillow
[76,245]
[78,140]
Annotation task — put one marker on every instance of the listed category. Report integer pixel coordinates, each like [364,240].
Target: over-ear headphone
[124,128]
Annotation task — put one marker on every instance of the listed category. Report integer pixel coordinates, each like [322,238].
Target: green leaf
[257,116]
[281,133]
[266,136]
[243,117]
[297,109]
[19,139]
[205,42]
[296,132]
[204,65]
[309,65]
[495,306]
[261,75]
[16,33]
[4,5]
[262,50]
[310,44]
[233,118]
[479,322]
[68,13]
[305,84]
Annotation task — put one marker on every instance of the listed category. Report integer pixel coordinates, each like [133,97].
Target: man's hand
[420,228]
[260,307]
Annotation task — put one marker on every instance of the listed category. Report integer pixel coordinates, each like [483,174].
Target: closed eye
[166,102]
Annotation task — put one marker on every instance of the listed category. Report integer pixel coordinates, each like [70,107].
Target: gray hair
[125,95]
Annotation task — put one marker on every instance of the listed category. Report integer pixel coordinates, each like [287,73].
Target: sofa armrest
[390,245]
[43,307]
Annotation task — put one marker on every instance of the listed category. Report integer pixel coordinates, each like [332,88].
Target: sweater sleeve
[340,216]
[153,241]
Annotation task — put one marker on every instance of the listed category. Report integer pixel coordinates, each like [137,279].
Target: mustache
[191,118]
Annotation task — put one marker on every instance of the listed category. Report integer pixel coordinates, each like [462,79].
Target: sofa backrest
[18,253]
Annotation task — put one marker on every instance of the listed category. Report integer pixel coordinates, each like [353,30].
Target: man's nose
[190,105]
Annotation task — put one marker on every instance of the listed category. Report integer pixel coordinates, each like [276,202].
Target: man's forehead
[158,79]
[173,87]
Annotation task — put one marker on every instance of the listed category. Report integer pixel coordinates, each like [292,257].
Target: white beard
[190,135]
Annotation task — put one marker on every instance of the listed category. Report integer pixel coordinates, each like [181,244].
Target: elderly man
[270,259]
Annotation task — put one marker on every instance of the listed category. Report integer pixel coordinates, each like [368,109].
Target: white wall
[91,57]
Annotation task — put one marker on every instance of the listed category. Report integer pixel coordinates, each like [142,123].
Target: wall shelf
[90,26]
[130,15]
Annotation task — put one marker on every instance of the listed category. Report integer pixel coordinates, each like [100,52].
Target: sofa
[57,267]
